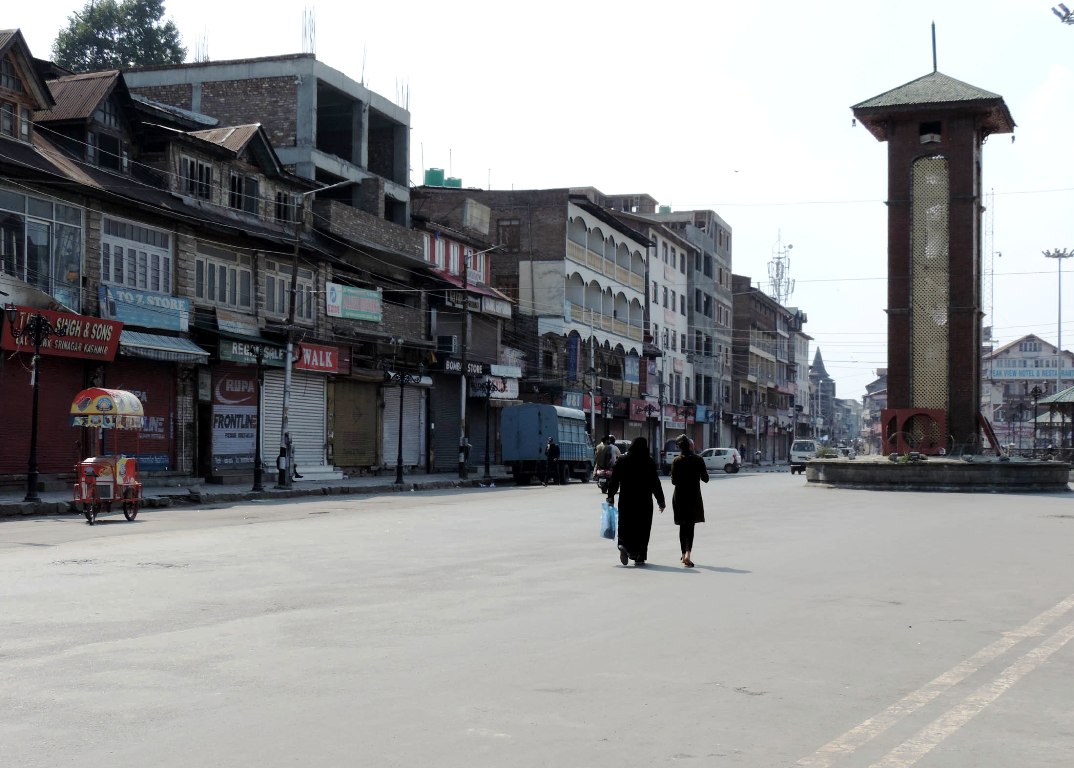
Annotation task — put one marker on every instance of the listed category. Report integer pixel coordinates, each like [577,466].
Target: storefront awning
[155,347]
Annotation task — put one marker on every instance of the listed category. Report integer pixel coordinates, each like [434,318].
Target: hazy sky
[743,108]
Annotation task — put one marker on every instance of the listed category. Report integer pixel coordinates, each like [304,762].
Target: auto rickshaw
[104,479]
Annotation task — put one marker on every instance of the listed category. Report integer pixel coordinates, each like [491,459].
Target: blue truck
[524,433]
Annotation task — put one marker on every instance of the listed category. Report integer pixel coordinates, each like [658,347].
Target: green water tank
[665,209]
[434,177]
[452,181]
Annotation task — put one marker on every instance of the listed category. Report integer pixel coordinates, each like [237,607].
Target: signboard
[234,418]
[453,365]
[233,322]
[317,357]
[638,410]
[353,303]
[145,309]
[246,352]
[89,338]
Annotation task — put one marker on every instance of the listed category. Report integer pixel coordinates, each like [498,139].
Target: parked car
[801,452]
[726,459]
[668,455]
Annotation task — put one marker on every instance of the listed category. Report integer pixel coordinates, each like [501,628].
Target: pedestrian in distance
[598,456]
[611,454]
[688,471]
[636,480]
[551,462]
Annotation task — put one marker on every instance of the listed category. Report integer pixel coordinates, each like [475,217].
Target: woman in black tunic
[687,473]
[635,479]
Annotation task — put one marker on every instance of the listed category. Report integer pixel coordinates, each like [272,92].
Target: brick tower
[935,127]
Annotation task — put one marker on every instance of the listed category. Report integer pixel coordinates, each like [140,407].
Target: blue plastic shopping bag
[609,520]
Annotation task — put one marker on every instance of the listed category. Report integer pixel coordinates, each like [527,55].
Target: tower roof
[934,92]
[818,369]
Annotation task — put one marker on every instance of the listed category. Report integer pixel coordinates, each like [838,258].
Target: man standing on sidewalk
[551,461]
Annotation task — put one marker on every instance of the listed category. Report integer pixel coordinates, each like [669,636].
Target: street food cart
[108,477]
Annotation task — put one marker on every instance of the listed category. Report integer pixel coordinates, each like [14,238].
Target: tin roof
[78,96]
[1061,397]
[931,92]
[233,137]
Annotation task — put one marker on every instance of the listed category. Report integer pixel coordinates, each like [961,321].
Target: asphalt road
[493,627]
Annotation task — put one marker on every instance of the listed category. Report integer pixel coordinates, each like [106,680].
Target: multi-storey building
[577,276]
[1014,377]
[710,305]
[822,389]
[197,251]
[671,262]
[765,373]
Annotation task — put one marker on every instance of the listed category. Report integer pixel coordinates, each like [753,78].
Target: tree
[118,34]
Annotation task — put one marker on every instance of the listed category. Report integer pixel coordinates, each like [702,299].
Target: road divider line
[925,740]
[850,741]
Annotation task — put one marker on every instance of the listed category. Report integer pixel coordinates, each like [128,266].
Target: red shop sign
[90,338]
[317,357]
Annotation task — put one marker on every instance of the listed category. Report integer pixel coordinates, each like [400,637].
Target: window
[243,193]
[682,263]
[453,265]
[665,297]
[682,305]
[438,253]
[223,277]
[665,252]
[426,247]
[107,114]
[136,256]
[286,207]
[41,244]
[196,178]
[278,291]
[656,293]
[110,152]
[9,76]
[7,118]
[24,124]
[509,232]
[682,342]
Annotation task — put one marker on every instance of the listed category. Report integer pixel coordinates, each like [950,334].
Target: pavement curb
[198,497]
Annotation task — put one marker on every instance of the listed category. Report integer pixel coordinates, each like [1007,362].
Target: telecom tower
[779,270]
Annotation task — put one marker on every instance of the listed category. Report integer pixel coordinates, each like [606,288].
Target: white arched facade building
[596,343]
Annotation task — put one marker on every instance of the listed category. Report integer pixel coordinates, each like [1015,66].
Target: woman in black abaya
[637,482]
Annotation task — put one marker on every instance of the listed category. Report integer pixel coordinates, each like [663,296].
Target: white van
[801,452]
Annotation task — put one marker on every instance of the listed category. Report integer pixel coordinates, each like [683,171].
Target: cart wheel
[90,511]
[130,504]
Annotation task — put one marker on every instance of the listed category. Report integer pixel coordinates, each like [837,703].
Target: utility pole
[286,460]
[464,377]
[463,373]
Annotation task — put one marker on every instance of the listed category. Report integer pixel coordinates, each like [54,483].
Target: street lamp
[401,379]
[650,409]
[488,386]
[35,330]
[1059,254]
[1035,393]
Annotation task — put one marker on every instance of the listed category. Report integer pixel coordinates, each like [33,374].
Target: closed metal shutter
[58,443]
[355,424]
[413,426]
[305,418]
[445,409]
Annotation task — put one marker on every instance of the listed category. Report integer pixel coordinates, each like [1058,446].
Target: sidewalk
[198,492]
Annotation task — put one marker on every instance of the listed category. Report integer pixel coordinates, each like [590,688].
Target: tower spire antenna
[934,46]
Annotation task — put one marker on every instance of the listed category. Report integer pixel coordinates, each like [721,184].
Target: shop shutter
[413,426]
[445,407]
[58,443]
[355,425]
[305,420]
